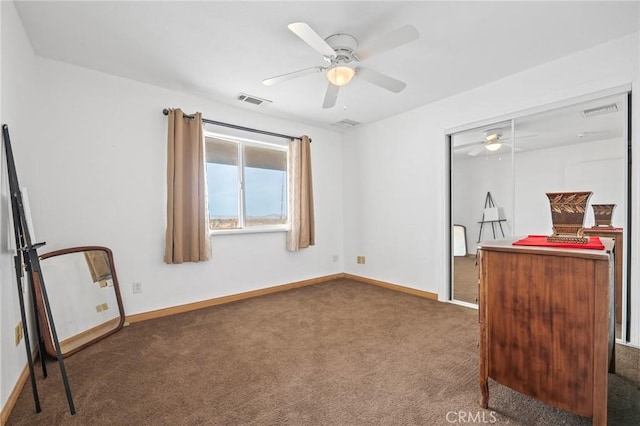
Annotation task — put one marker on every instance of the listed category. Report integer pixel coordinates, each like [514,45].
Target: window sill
[253,230]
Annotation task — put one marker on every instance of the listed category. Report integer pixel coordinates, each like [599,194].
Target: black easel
[27,255]
[488,202]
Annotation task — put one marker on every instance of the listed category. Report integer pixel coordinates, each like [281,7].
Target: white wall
[91,149]
[3,258]
[393,183]
[635,210]
[396,194]
[95,171]
[18,65]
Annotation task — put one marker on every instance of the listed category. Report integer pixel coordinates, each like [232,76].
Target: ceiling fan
[340,51]
[493,141]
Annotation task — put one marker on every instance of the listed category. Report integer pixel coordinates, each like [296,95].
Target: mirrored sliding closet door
[501,172]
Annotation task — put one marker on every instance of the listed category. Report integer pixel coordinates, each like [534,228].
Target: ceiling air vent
[604,109]
[253,100]
[346,124]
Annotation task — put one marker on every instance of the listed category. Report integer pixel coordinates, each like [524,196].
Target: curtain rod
[234,126]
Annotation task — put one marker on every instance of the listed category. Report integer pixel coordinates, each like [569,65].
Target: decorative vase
[567,214]
[602,214]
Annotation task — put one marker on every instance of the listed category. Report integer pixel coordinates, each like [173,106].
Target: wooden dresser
[618,250]
[546,324]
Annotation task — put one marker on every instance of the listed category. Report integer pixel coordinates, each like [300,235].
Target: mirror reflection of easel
[491,214]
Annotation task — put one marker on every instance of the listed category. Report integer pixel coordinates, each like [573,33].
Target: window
[247,184]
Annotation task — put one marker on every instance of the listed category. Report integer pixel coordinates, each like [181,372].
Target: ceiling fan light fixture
[492,135]
[340,75]
[492,139]
[493,146]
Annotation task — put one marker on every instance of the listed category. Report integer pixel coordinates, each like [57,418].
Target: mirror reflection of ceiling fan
[493,141]
[341,52]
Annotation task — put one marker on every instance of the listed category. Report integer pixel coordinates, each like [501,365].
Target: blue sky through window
[265,191]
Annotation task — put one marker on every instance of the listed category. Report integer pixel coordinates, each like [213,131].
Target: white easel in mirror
[491,214]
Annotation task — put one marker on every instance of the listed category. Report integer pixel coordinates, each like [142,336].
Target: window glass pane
[222,184]
[265,186]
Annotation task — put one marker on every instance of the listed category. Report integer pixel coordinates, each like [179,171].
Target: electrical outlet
[137,287]
[99,308]
[19,333]
[335,258]
[105,306]
[360,260]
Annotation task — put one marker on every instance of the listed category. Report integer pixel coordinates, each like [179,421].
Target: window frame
[241,142]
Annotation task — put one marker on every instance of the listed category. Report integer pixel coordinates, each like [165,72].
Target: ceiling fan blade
[289,76]
[309,36]
[519,137]
[331,96]
[477,150]
[483,147]
[402,35]
[382,80]
[515,148]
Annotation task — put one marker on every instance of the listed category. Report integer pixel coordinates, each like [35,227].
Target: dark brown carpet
[465,279]
[338,353]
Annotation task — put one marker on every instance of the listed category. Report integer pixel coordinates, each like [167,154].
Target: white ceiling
[217,50]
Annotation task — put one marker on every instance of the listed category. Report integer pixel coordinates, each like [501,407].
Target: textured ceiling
[217,50]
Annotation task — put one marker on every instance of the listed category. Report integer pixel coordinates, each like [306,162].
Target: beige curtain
[302,231]
[187,228]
